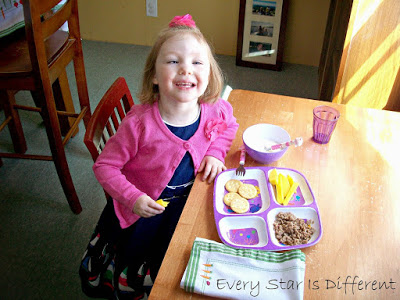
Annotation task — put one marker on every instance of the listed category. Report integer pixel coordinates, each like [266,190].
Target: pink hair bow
[185,20]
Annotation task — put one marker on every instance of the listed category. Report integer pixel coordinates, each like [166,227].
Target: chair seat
[14,53]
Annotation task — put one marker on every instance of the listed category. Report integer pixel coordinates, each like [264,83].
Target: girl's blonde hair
[149,92]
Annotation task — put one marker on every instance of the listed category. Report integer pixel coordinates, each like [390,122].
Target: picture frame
[261,33]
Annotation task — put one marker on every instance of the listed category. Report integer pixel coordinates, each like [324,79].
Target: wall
[369,74]
[125,21]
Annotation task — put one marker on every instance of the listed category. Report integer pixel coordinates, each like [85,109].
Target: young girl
[180,129]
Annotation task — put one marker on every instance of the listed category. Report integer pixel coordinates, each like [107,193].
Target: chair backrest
[38,30]
[107,116]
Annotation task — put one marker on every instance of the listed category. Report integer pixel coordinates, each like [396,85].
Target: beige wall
[125,21]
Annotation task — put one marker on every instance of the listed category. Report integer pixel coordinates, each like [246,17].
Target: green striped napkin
[217,270]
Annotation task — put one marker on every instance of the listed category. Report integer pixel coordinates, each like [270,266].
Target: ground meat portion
[290,230]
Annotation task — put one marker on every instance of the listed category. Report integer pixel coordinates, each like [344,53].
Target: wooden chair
[37,61]
[107,116]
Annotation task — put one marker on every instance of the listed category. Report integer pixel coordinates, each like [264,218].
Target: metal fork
[240,171]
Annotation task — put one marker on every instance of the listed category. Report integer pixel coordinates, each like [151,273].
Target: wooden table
[356,182]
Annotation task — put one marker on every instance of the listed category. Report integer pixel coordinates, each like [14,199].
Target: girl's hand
[212,167]
[147,207]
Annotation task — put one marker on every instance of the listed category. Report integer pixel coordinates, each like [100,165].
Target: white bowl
[259,136]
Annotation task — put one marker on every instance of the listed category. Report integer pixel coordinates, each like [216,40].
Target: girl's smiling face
[182,69]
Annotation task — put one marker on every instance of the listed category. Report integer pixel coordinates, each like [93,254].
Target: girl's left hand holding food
[211,167]
[147,207]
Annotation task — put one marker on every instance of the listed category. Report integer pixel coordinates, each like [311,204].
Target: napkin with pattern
[220,271]
[12,16]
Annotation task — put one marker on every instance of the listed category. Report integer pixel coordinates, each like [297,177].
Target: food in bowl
[259,137]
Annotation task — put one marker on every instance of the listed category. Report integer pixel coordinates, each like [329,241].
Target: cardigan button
[186,146]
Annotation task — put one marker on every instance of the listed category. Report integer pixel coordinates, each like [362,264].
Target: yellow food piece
[279,192]
[162,202]
[290,179]
[290,193]
[285,185]
[273,177]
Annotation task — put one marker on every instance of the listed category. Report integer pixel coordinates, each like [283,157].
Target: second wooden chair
[107,116]
[36,60]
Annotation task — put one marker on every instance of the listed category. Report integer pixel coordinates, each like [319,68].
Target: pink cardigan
[143,155]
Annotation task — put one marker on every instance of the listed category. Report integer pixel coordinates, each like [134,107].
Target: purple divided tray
[254,229]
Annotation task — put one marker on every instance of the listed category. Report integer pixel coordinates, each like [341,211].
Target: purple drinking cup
[325,119]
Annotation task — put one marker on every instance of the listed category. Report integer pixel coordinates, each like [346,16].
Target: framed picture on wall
[261,33]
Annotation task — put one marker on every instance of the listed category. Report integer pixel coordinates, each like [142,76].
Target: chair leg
[64,174]
[53,131]
[60,105]
[81,83]
[17,134]
[63,100]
